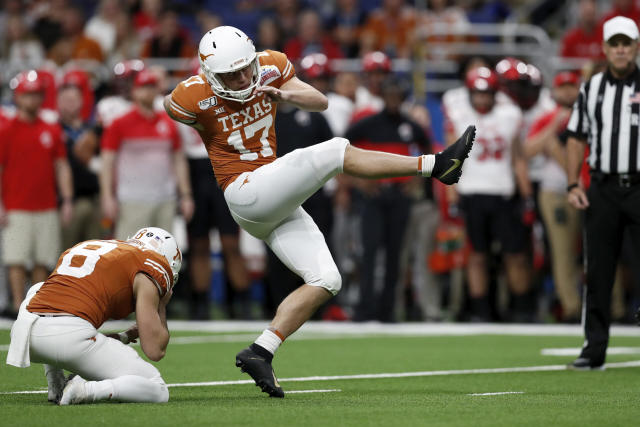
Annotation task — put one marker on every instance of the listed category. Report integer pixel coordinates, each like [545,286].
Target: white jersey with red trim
[489,168]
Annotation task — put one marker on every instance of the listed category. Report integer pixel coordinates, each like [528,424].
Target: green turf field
[431,382]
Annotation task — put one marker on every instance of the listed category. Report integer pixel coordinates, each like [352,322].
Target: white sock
[269,341]
[426,163]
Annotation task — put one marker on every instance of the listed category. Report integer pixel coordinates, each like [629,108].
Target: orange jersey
[94,280]
[239,137]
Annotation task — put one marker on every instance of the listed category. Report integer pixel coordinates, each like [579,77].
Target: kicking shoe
[74,392]
[584,364]
[260,370]
[448,164]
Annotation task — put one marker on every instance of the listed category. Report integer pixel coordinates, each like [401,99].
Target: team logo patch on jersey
[205,104]
[268,73]
[46,139]
[219,110]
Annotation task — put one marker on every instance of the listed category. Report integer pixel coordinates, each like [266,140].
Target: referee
[606,116]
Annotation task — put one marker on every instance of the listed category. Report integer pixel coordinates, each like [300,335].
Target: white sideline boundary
[377,328]
[544,368]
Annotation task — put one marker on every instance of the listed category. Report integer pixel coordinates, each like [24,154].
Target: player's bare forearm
[302,95]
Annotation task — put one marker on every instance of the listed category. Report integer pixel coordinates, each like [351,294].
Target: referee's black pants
[614,209]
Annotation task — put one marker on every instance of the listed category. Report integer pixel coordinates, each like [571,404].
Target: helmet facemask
[220,89]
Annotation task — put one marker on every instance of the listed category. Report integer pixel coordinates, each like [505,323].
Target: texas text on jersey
[94,280]
[240,137]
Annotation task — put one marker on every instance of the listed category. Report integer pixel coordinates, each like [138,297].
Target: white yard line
[544,368]
[313,391]
[498,393]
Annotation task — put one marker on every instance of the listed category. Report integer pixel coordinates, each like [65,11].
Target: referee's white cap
[620,25]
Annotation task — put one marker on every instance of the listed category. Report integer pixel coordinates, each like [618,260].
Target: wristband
[571,187]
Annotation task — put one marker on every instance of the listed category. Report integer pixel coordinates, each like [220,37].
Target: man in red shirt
[33,160]
[142,155]
[585,39]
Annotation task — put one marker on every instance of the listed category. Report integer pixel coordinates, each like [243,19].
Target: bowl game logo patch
[268,73]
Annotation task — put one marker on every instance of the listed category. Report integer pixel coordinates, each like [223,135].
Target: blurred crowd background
[402,246]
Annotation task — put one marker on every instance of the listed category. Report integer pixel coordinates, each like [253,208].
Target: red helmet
[26,82]
[511,69]
[482,79]
[521,81]
[129,68]
[376,61]
[315,65]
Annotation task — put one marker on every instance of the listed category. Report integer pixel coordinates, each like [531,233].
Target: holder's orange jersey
[239,137]
[94,280]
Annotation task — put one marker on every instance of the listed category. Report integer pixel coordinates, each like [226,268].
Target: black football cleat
[584,364]
[448,165]
[260,370]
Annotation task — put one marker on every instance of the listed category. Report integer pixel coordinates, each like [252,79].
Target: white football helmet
[162,242]
[223,50]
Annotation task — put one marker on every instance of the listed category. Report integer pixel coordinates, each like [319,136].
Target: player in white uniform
[488,185]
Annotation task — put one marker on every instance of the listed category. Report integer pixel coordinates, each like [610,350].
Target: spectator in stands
[170,40]
[269,35]
[389,29]
[627,8]
[486,193]
[81,145]
[32,162]
[128,44]
[345,25]
[21,49]
[147,19]
[286,12]
[142,163]
[310,38]
[102,27]
[547,135]
[83,47]
[384,204]
[440,15]
[376,67]
[585,39]
[486,11]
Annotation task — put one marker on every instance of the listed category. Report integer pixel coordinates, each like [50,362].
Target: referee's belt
[624,180]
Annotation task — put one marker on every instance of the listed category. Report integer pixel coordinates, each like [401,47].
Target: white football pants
[73,344]
[266,203]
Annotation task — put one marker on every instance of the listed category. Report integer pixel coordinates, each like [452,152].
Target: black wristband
[571,187]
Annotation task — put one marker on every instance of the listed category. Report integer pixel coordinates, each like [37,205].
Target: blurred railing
[438,50]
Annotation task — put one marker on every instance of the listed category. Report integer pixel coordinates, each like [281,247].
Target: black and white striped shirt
[607,115]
